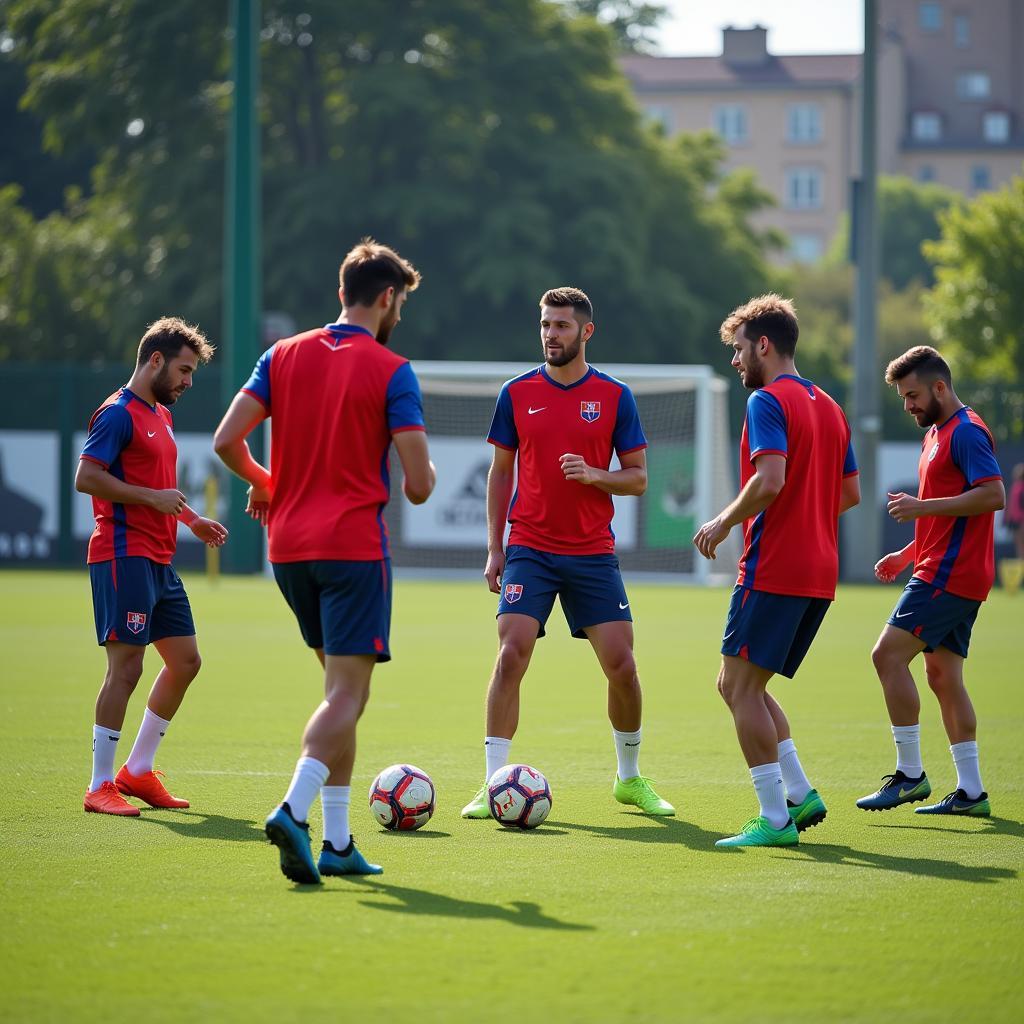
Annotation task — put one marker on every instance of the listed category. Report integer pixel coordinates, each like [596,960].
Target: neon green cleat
[479,806]
[809,812]
[757,832]
[639,792]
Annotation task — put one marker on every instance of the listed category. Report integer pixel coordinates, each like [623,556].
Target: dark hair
[770,315]
[168,336]
[370,268]
[567,296]
[922,360]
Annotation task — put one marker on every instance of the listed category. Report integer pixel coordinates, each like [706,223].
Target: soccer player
[960,489]
[129,467]
[337,399]
[563,420]
[797,475]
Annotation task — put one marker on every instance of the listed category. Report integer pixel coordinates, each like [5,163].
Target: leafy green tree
[631,21]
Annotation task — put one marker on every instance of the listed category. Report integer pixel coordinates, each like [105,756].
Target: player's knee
[188,668]
[882,658]
[513,659]
[940,681]
[126,674]
[727,688]
[621,671]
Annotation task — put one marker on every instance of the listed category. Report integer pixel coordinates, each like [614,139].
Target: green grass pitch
[600,915]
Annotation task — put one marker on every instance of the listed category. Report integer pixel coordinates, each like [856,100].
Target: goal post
[690,466]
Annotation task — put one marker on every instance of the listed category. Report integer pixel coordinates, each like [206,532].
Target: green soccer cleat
[639,792]
[758,832]
[479,806]
[958,802]
[809,812]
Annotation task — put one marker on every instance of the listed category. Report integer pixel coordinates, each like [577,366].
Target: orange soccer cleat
[105,799]
[147,787]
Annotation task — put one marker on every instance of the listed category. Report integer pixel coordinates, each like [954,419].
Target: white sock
[771,794]
[334,801]
[104,750]
[793,778]
[496,751]
[310,775]
[968,776]
[908,750]
[151,732]
[627,750]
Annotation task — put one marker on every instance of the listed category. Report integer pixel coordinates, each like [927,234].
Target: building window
[981,178]
[805,247]
[995,126]
[661,116]
[925,126]
[925,173]
[731,123]
[973,85]
[803,122]
[929,16]
[803,188]
[961,31]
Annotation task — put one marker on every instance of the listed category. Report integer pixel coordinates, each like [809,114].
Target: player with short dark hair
[798,475]
[337,399]
[562,421]
[129,466]
[960,489]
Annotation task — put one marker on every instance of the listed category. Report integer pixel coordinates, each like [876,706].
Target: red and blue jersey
[792,547]
[542,420]
[134,442]
[334,396]
[956,553]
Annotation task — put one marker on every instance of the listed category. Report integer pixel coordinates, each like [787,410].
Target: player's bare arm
[91,478]
[988,496]
[890,566]
[229,442]
[418,471]
[760,491]
[500,482]
[630,479]
[849,495]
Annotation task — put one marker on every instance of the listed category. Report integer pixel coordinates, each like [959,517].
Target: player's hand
[209,531]
[574,468]
[888,567]
[258,505]
[903,508]
[709,536]
[170,502]
[494,570]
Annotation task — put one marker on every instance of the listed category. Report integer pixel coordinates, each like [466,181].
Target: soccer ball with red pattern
[518,796]
[402,798]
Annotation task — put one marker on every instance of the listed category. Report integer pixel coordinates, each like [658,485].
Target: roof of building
[650,73]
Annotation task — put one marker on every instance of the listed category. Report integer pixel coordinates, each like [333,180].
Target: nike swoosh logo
[530,412]
[900,615]
[151,433]
[626,605]
[909,789]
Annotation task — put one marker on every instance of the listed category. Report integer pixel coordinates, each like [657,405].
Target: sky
[694,27]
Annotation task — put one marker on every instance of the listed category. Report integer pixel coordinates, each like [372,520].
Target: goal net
[690,469]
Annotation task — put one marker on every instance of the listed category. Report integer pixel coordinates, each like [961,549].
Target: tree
[630,21]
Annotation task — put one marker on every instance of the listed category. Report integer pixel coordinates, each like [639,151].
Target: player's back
[332,395]
[792,547]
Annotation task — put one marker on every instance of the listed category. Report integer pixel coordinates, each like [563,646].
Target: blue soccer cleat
[291,838]
[896,789]
[958,802]
[348,862]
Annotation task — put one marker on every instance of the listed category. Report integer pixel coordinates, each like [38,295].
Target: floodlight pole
[862,532]
[242,286]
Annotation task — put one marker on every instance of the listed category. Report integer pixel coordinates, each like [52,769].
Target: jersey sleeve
[629,434]
[766,425]
[971,448]
[850,462]
[404,401]
[503,431]
[109,432]
[258,384]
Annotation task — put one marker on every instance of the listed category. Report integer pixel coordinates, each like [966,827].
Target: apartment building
[950,108]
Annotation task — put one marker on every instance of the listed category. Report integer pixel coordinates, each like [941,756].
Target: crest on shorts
[590,411]
[934,451]
[136,621]
[513,591]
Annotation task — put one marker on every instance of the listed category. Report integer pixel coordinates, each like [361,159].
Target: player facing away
[960,489]
[798,475]
[337,398]
[129,466]
[562,421]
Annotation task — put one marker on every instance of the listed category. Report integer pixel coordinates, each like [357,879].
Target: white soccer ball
[402,797]
[519,796]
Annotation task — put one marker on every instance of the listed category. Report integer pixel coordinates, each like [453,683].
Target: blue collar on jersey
[566,387]
[345,330]
[949,419]
[128,391]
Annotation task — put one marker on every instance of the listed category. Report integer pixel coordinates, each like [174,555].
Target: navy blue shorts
[136,601]
[774,631]
[589,588]
[343,607]
[938,618]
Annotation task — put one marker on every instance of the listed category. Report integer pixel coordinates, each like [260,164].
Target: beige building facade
[950,108]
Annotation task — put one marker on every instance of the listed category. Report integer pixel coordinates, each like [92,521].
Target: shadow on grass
[419,901]
[660,830]
[206,826]
[990,826]
[417,833]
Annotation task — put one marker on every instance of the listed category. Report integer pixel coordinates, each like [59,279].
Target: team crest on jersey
[590,411]
[934,451]
[136,621]
[513,591]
